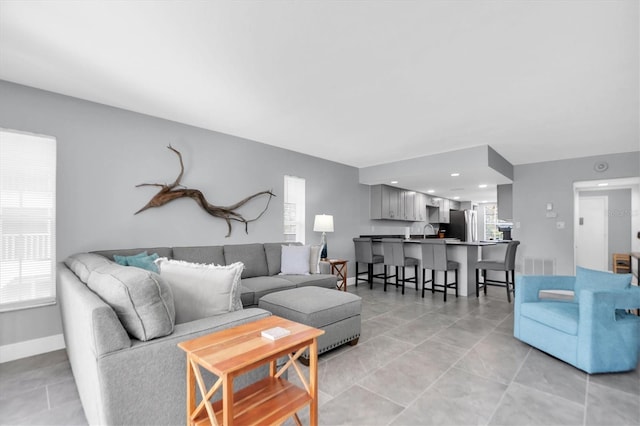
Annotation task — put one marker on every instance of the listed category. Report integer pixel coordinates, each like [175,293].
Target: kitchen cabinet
[441,213]
[454,205]
[420,207]
[409,205]
[386,203]
[431,201]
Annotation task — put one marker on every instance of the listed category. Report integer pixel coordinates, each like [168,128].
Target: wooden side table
[231,352]
[339,268]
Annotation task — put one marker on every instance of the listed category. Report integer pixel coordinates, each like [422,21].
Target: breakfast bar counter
[465,253]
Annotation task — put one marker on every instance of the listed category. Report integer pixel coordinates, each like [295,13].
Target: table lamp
[323,223]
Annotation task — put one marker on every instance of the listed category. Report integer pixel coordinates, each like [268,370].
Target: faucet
[424,230]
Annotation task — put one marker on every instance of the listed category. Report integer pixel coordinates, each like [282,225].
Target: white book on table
[275,333]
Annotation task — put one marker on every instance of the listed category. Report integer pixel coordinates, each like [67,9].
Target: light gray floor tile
[18,406]
[69,414]
[522,405]
[62,393]
[432,350]
[406,377]
[606,406]
[506,326]
[416,331]
[477,325]
[12,368]
[627,382]
[457,337]
[457,398]
[379,351]
[497,357]
[358,406]
[337,374]
[548,374]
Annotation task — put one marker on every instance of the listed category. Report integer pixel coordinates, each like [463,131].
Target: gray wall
[619,215]
[104,152]
[552,182]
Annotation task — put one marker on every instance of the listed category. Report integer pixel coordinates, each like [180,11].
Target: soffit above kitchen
[471,168]
[359,83]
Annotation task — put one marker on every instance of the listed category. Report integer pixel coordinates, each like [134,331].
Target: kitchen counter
[465,253]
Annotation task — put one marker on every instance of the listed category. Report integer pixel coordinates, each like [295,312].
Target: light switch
[549,206]
[560,224]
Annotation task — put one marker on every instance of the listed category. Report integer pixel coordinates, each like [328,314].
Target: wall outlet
[560,224]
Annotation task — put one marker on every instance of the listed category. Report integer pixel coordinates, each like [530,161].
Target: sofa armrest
[602,304]
[528,287]
[325,268]
[134,382]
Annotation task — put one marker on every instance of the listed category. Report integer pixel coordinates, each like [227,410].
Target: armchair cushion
[599,280]
[562,316]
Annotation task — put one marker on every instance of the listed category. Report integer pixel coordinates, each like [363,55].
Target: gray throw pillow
[202,290]
[141,299]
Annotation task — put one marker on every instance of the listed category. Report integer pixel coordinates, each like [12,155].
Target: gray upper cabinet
[441,213]
[420,207]
[454,205]
[388,202]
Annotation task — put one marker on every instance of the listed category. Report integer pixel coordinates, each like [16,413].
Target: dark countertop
[417,238]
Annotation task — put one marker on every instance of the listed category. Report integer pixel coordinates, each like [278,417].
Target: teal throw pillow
[599,280]
[147,262]
[124,260]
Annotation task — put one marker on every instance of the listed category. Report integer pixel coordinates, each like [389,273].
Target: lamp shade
[323,223]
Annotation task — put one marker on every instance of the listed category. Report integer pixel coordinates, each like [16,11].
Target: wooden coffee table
[231,352]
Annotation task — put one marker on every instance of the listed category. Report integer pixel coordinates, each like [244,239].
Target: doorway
[592,237]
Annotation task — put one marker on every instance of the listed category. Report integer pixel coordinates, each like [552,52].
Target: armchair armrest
[528,286]
[602,304]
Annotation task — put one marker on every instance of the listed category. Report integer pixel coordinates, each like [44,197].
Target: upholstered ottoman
[335,312]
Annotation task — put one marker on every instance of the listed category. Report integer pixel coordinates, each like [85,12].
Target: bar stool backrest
[393,250]
[434,254]
[364,250]
[510,256]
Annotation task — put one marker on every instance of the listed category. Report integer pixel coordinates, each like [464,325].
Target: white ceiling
[357,82]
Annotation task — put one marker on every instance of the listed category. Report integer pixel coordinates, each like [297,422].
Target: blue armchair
[593,332]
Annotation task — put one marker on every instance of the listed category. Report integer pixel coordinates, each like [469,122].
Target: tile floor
[419,361]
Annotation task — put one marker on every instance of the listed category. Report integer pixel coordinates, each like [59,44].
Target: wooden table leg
[313,382]
[191,392]
[227,401]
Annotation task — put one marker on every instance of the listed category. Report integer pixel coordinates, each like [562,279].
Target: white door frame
[617,183]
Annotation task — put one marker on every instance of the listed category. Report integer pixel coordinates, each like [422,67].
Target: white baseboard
[31,347]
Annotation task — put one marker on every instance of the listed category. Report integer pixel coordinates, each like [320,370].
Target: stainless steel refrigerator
[463,224]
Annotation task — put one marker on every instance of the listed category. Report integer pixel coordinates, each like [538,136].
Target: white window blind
[27,220]
[294,200]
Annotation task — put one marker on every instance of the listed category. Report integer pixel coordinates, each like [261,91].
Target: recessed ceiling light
[484,201]
[455,174]
[394,181]
[603,184]
[431,191]
[456,198]
[483,185]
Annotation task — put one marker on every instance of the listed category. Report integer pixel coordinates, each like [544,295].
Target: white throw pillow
[314,258]
[200,290]
[295,260]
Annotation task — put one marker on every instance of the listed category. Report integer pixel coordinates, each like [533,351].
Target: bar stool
[364,254]
[393,249]
[508,265]
[434,257]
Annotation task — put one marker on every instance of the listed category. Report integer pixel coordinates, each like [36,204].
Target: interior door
[592,244]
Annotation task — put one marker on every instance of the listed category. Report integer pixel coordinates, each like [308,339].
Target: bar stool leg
[404,278]
[424,281]
[385,277]
[445,285]
[484,274]
[506,280]
[477,283]
[456,277]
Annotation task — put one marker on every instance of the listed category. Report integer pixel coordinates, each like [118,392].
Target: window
[294,199]
[491,231]
[27,220]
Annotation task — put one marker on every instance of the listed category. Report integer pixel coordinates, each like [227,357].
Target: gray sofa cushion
[205,254]
[314,306]
[141,299]
[162,252]
[317,280]
[260,286]
[253,257]
[82,264]
[247,296]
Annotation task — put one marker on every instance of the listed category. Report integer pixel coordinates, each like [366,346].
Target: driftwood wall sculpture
[175,190]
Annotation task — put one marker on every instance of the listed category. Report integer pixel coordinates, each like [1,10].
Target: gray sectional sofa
[122,380]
